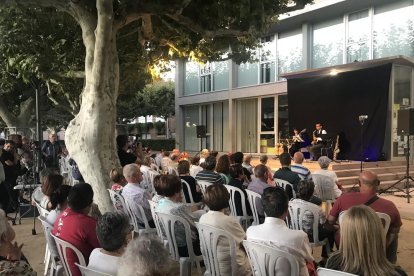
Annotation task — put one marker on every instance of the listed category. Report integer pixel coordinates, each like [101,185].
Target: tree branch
[26,112]
[69,75]
[56,102]
[60,5]
[6,114]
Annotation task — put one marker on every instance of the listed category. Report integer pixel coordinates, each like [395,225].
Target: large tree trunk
[90,137]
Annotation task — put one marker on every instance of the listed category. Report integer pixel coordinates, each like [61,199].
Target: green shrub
[155,144]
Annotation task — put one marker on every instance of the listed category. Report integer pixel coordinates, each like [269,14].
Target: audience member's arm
[392,235]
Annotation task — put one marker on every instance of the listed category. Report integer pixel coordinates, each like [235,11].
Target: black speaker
[405,124]
[201,132]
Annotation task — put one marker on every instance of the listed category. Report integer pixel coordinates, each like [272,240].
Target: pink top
[116,187]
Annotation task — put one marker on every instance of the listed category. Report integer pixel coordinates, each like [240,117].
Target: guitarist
[318,137]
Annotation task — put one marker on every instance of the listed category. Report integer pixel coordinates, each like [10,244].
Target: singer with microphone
[318,138]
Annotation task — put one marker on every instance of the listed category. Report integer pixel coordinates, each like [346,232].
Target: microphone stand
[362,119]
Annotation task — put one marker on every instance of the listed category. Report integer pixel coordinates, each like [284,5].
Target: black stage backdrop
[337,101]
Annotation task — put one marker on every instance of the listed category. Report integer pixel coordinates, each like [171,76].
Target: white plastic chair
[44,213]
[149,180]
[324,189]
[86,271]
[118,201]
[210,237]
[385,219]
[157,222]
[264,259]
[172,170]
[56,267]
[284,184]
[190,195]
[245,219]
[330,272]
[136,219]
[169,223]
[203,185]
[297,212]
[253,197]
[62,247]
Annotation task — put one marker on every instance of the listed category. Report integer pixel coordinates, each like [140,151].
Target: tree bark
[90,135]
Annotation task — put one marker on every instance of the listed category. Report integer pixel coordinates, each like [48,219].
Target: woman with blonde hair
[362,247]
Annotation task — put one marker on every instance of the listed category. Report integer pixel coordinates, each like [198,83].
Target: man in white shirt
[275,233]
[135,193]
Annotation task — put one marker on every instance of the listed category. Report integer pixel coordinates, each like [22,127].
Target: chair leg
[185,267]
[48,261]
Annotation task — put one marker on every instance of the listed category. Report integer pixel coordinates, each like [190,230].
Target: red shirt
[79,230]
[347,200]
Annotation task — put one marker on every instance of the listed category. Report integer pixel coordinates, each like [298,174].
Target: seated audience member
[38,195]
[216,197]
[222,168]
[76,227]
[12,261]
[362,248]
[124,145]
[184,173]
[195,166]
[172,203]
[274,232]
[58,203]
[208,173]
[118,180]
[114,233]
[203,155]
[51,184]
[174,160]
[246,163]
[324,162]
[165,161]
[237,158]
[368,184]
[259,184]
[145,256]
[263,160]
[306,188]
[158,193]
[237,180]
[284,173]
[158,158]
[298,168]
[137,194]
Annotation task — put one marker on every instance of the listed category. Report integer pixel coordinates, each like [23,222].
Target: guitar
[336,149]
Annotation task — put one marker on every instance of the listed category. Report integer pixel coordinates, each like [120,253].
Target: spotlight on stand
[333,72]
[362,119]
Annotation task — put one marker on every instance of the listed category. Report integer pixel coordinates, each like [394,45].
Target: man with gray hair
[324,162]
[137,194]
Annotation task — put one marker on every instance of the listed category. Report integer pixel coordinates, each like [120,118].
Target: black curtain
[337,101]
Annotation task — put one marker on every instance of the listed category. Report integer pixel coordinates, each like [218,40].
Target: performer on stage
[298,141]
[318,136]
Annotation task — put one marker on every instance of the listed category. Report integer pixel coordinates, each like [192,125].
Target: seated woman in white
[58,203]
[114,233]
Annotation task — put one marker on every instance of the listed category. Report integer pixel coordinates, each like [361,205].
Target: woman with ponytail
[58,202]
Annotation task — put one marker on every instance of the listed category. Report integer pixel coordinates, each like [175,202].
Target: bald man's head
[298,157]
[368,179]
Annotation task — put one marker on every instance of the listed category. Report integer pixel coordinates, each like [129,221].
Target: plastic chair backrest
[62,247]
[136,218]
[253,197]
[297,212]
[330,272]
[385,219]
[265,259]
[203,185]
[157,222]
[284,184]
[86,271]
[47,230]
[118,201]
[210,237]
[42,211]
[232,202]
[169,223]
[324,187]
[190,195]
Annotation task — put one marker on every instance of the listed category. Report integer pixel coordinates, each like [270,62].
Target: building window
[220,75]
[289,52]
[191,121]
[267,59]
[191,86]
[283,116]
[205,78]
[394,30]
[246,125]
[357,43]
[328,43]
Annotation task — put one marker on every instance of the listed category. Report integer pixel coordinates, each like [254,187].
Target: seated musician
[318,136]
[298,141]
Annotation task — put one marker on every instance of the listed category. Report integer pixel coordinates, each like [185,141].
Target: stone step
[351,180]
[383,186]
[356,165]
[377,170]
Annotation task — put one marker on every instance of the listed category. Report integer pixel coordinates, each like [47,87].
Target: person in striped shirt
[208,174]
[298,168]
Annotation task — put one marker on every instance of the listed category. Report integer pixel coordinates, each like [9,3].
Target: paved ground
[34,245]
